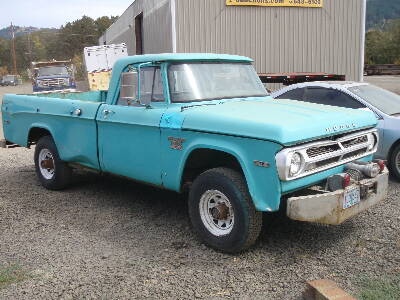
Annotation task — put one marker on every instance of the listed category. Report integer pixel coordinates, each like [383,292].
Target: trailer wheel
[222,212]
[53,173]
[394,162]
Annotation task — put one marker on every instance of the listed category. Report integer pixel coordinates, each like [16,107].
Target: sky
[54,13]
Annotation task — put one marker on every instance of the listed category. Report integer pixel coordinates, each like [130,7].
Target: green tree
[4,53]
[63,44]
[383,46]
[380,11]
[103,23]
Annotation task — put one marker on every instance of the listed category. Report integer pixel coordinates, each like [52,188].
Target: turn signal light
[346,180]
[381,164]
[338,182]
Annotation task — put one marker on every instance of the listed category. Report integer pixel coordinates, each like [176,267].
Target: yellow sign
[293,3]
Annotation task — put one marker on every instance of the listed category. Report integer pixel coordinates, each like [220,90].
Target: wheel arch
[36,132]
[202,158]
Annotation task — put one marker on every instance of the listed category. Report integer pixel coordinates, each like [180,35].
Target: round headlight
[295,164]
[372,140]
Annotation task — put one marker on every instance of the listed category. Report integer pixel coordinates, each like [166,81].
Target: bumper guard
[328,207]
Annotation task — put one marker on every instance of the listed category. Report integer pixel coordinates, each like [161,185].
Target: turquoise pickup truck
[204,124]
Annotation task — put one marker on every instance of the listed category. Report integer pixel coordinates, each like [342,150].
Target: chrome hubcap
[216,212]
[46,164]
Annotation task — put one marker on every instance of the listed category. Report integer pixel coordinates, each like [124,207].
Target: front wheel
[394,162]
[53,173]
[222,212]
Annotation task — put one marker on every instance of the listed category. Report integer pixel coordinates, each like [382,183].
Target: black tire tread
[392,162]
[255,217]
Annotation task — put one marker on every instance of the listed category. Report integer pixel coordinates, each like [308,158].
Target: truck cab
[53,76]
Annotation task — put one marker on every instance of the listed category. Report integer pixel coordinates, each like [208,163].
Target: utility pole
[13,50]
[29,46]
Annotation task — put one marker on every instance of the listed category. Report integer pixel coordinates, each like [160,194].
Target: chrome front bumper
[327,207]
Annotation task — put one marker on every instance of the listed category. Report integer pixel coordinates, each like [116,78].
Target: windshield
[53,70]
[385,101]
[191,82]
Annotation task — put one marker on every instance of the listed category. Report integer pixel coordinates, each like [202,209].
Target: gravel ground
[109,238]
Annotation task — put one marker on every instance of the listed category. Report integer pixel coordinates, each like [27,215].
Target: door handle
[76,112]
[108,112]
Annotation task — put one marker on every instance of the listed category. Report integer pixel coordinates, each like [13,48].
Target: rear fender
[38,126]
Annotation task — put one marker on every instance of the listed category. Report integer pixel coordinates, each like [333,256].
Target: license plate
[351,197]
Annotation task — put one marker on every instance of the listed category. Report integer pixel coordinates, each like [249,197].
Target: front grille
[342,143]
[333,153]
[328,161]
[355,153]
[53,82]
[328,153]
[355,141]
[317,151]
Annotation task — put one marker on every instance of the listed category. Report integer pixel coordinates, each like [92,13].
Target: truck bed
[93,96]
[71,117]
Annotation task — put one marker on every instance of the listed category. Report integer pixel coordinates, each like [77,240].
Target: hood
[53,77]
[286,122]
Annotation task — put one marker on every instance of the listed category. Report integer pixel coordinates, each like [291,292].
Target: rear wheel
[222,212]
[394,162]
[53,173]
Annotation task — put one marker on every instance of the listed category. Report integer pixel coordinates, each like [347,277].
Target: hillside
[5,33]
[379,11]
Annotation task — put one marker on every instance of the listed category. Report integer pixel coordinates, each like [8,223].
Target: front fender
[263,182]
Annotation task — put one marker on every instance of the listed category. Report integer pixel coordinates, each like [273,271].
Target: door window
[151,87]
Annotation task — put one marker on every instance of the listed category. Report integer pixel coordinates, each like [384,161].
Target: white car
[356,95]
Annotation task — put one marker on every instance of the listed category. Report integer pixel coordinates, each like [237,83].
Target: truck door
[129,133]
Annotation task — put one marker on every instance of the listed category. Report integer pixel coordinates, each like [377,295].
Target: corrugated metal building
[279,39]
